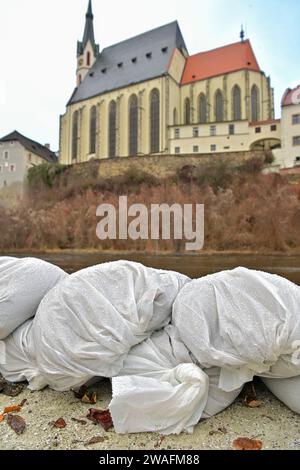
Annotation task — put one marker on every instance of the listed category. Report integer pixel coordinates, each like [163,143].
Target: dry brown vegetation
[244,209]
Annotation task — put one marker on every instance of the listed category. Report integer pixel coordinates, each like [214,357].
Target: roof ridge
[175,22]
[222,47]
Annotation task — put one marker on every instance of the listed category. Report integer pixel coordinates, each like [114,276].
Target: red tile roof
[231,58]
[291,96]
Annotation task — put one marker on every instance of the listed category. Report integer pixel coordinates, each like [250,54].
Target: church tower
[87,49]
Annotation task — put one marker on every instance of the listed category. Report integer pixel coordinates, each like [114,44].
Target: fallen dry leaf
[250,396]
[253,403]
[16,423]
[85,396]
[12,409]
[244,443]
[90,398]
[59,424]
[101,417]
[95,440]
[80,421]
[23,402]
[1,418]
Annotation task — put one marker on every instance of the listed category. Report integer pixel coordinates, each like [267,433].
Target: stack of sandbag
[245,322]
[161,389]
[23,284]
[86,326]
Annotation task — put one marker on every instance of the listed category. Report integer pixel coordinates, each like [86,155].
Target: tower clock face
[80,62]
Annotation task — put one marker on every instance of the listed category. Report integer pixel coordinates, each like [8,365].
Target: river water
[193,266]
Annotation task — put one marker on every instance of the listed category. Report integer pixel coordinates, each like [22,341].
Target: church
[147,96]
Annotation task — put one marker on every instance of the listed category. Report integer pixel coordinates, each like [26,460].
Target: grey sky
[38,46]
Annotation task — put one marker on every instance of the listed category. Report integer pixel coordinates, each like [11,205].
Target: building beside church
[19,153]
[147,95]
[290,128]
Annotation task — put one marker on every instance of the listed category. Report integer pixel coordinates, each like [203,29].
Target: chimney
[47,146]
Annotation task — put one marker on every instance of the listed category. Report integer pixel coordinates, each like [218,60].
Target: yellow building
[146,95]
[290,124]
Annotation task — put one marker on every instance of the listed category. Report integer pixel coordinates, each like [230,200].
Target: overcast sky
[38,46]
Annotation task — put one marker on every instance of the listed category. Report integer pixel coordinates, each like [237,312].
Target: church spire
[87,49]
[88,34]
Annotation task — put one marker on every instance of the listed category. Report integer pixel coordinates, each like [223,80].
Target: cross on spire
[242,34]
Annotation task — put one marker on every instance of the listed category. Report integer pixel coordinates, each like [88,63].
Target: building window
[154,121]
[196,149]
[175,117]
[12,168]
[231,129]
[273,128]
[195,132]
[112,119]
[297,160]
[0,168]
[213,148]
[202,109]
[236,103]
[93,129]
[177,133]
[219,106]
[187,111]
[296,140]
[254,104]
[6,155]
[88,59]
[177,150]
[29,158]
[296,119]
[213,130]
[75,136]
[257,130]
[133,125]
[4,183]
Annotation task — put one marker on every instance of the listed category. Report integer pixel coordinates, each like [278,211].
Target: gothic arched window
[75,136]
[254,103]
[202,109]
[236,103]
[187,111]
[112,119]
[133,125]
[219,106]
[93,129]
[175,117]
[154,121]
[88,59]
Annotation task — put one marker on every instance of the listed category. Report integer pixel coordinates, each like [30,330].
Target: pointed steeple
[88,34]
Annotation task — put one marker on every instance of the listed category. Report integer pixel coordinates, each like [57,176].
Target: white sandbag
[88,323]
[166,394]
[242,321]
[160,389]
[218,400]
[23,284]
[286,390]
[19,364]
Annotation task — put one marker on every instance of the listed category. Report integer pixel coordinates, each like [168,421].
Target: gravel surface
[272,423]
